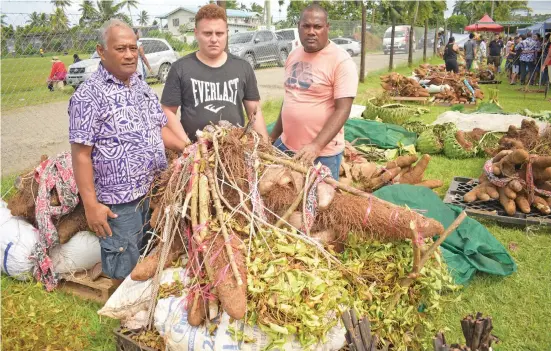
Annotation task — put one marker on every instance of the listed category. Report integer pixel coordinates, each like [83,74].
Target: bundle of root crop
[392,113]
[520,181]
[526,138]
[460,88]
[231,264]
[22,204]
[369,176]
[398,85]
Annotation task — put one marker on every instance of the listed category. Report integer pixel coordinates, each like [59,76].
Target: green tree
[475,9]
[257,8]
[232,4]
[392,11]
[155,23]
[61,3]
[38,19]
[3,20]
[108,10]
[89,14]
[59,21]
[143,18]
[129,4]
[457,23]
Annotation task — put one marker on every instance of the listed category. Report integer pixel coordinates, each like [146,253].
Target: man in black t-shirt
[211,85]
[495,47]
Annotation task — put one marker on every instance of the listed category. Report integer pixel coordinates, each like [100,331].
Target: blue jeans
[331,162]
[120,252]
[526,69]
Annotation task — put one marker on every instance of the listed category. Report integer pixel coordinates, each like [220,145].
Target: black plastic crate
[126,343]
[489,209]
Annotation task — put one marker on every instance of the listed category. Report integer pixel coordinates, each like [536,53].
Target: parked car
[290,35]
[430,40]
[401,39]
[353,47]
[159,53]
[259,47]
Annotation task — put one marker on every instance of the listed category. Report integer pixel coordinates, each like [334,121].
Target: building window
[176,22]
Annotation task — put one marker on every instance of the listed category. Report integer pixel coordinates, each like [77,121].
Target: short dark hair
[451,40]
[314,8]
[471,35]
[523,37]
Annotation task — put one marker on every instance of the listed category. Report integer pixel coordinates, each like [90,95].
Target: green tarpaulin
[470,248]
[383,135]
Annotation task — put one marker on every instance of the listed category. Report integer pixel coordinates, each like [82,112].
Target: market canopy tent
[486,24]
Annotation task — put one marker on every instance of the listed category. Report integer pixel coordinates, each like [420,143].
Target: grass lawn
[24,81]
[520,304]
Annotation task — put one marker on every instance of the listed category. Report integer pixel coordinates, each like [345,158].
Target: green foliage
[55,45]
[257,8]
[456,23]
[335,33]
[474,10]
[336,10]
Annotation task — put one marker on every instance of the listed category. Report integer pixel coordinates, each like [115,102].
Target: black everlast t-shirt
[209,94]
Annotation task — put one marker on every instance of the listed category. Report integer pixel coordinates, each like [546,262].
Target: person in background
[509,49]
[41,52]
[76,58]
[502,53]
[546,60]
[495,47]
[527,56]
[142,59]
[320,82]
[470,51]
[450,56]
[537,59]
[515,66]
[210,84]
[118,136]
[57,74]
[482,53]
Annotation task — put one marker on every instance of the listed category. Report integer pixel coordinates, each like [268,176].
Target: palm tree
[89,13]
[143,18]
[129,5]
[2,20]
[391,10]
[38,19]
[58,20]
[109,9]
[61,3]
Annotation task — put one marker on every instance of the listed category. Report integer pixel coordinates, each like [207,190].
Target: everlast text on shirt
[215,91]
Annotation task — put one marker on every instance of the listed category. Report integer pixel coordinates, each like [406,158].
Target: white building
[238,20]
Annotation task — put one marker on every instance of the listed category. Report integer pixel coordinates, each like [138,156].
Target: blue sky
[17,10]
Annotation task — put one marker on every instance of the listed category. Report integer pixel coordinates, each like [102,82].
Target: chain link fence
[35,120]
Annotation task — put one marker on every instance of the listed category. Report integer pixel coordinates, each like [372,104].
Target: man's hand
[308,154]
[96,216]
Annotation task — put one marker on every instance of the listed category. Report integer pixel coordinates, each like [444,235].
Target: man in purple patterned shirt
[118,137]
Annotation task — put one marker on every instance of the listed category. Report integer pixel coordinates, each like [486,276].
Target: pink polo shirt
[312,83]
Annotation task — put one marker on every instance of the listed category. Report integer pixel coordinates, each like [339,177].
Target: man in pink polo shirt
[321,81]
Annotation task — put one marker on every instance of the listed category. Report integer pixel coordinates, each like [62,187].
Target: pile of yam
[369,176]
[22,204]
[398,85]
[209,199]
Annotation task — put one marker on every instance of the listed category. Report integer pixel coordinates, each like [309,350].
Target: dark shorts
[331,162]
[451,66]
[494,60]
[120,252]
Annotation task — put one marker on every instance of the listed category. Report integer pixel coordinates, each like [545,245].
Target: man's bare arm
[171,141]
[259,124]
[333,125]
[174,123]
[96,213]
[278,127]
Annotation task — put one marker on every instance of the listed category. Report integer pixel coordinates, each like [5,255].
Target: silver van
[159,53]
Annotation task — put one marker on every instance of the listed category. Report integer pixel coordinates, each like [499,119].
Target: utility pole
[362,46]
[268,12]
[222,4]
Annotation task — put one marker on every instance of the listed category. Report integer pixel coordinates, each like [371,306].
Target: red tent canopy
[486,24]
